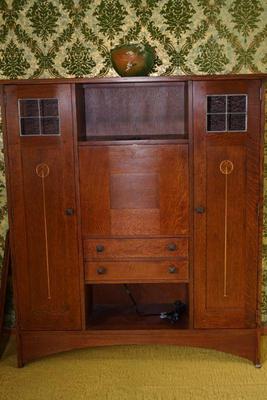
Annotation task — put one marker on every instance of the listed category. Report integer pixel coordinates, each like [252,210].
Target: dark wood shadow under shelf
[117,317]
[133,139]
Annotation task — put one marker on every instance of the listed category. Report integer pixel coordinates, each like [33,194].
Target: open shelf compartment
[118,112]
[109,307]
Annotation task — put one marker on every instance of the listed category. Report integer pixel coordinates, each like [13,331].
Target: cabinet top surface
[135,79]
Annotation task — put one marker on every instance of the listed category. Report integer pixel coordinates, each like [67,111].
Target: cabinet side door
[40,163]
[227,148]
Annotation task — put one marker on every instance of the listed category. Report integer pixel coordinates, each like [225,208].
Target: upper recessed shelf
[133,111]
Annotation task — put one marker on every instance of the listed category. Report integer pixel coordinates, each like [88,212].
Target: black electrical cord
[172,316]
[136,305]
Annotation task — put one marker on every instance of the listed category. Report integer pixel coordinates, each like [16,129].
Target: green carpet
[134,373]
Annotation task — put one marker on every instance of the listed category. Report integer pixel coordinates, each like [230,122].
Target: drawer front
[134,248]
[136,271]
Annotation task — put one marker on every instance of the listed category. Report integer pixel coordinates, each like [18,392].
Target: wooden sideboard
[126,195]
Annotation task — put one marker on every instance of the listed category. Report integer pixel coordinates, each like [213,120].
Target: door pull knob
[200,210]
[101,271]
[172,269]
[171,247]
[69,212]
[100,248]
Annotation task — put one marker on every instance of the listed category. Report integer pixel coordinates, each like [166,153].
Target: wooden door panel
[227,187]
[45,205]
[44,238]
[226,216]
[134,190]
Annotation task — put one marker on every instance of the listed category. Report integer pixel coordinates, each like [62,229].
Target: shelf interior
[117,317]
[136,112]
[109,307]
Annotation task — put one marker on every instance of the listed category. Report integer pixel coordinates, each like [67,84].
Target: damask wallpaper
[73,38]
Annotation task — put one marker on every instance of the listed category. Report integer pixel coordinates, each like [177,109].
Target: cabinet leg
[257,361]
[20,361]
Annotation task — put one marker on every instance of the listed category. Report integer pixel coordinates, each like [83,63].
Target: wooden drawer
[136,271]
[134,248]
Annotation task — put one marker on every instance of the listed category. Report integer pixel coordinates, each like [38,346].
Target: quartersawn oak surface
[133,207]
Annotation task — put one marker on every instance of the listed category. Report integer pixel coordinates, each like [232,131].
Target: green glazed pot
[133,59]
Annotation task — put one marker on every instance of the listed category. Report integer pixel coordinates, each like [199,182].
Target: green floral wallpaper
[73,38]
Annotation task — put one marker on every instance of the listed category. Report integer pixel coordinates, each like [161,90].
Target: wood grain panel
[135,159]
[127,177]
[226,226]
[134,191]
[94,190]
[243,343]
[134,248]
[174,190]
[135,222]
[136,271]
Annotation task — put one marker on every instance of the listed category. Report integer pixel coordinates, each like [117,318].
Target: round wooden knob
[101,270]
[69,212]
[171,247]
[200,210]
[100,248]
[172,269]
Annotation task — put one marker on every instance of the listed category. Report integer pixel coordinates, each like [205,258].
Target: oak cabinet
[128,196]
